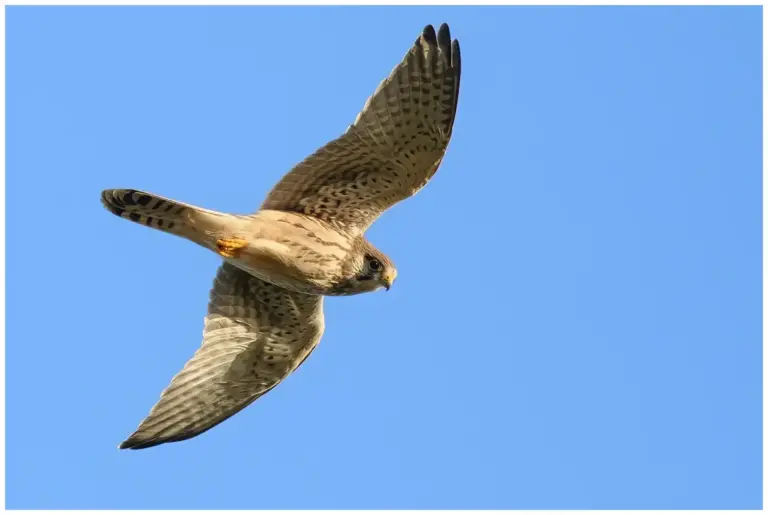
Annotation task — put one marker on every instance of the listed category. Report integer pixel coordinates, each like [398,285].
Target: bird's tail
[161,213]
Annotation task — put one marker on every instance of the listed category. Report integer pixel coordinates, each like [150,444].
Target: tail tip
[113,200]
[119,200]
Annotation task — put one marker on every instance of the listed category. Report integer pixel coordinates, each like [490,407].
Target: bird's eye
[375,264]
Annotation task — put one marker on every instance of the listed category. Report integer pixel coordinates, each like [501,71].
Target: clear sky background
[577,317]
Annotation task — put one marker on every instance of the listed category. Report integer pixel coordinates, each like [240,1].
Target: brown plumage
[255,334]
[391,150]
[307,240]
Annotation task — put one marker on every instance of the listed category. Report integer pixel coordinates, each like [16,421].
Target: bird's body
[265,313]
[291,250]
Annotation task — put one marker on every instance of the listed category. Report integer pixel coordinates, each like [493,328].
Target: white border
[351,2]
[379,2]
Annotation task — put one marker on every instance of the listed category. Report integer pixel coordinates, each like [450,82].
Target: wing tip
[444,35]
[136,441]
[125,445]
[443,40]
[130,443]
[456,56]
[135,445]
[428,35]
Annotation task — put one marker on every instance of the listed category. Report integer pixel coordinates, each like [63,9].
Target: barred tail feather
[151,210]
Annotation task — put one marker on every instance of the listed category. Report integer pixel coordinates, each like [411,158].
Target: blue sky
[577,317]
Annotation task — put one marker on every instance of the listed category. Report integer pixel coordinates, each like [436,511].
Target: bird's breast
[293,251]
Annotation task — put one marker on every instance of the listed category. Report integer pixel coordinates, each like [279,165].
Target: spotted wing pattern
[391,150]
[255,335]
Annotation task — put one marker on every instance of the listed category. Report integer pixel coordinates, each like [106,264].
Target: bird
[306,241]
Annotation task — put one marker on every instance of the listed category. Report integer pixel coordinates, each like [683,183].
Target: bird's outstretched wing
[393,148]
[255,335]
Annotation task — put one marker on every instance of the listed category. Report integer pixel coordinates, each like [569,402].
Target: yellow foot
[229,247]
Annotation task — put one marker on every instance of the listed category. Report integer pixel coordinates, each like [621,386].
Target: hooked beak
[389,278]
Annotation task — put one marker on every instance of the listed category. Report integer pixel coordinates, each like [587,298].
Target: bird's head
[366,270]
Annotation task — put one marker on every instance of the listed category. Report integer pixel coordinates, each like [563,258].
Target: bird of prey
[265,314]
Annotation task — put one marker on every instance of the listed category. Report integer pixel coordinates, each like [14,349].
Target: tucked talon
[229,247]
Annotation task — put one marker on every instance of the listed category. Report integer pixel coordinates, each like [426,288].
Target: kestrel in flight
[265,314]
